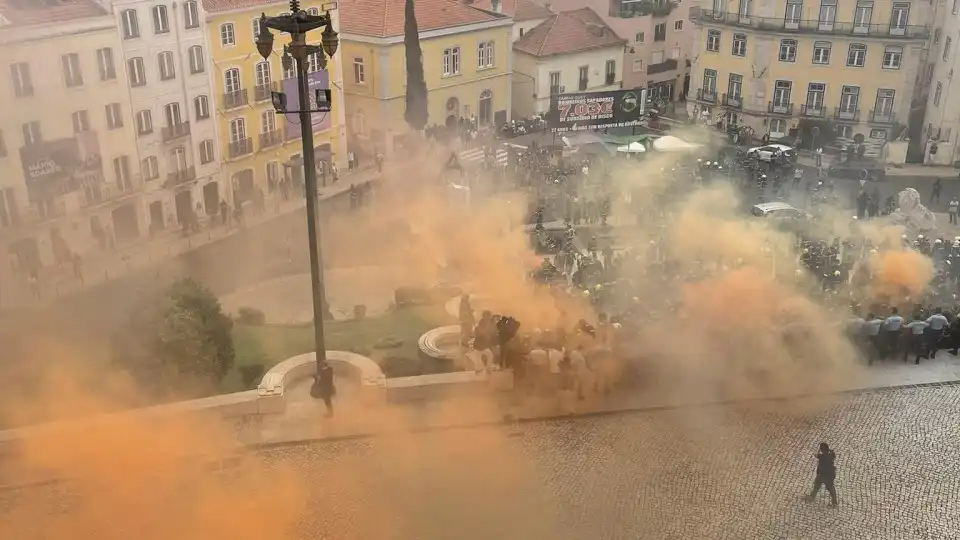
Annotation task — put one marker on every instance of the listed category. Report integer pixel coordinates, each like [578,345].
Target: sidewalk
[57,283]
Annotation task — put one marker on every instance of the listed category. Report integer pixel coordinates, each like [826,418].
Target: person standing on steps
[826,474]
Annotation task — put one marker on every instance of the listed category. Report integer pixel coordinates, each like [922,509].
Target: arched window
[485,108]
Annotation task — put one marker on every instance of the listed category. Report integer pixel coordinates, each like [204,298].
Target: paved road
[719,473]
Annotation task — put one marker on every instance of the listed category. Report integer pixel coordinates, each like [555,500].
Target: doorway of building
[242,187]
[125,226]
[25,254]
[183,202]
[211,198]
[486,107]
[156,217]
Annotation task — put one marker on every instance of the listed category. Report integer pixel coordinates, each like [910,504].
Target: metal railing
[240,148]
[669,64]
[262,91]
[812,111]
[107,192]
[785,25]
[175,131]
[271,138]
[733,101]
[846,114]
[785,109]
[882,117]
[175,178]
[232,100]
[706,96]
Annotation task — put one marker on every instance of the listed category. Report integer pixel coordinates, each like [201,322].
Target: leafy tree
[416,98]
[184,335]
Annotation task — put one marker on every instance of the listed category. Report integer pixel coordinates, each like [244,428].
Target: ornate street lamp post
[297,24]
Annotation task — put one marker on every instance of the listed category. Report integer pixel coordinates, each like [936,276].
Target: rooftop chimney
[496,5]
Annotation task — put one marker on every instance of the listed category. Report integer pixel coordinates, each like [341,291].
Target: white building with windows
[572,51]
[70,184]
[166,57]
[939,133]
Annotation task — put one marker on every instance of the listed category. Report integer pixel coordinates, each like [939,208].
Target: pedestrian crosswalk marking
[475,157]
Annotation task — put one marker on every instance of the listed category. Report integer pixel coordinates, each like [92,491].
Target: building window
[72,76]
[638,66]
[739,44]
[862,16]
[195,54]
[611,73]
[828,14]
[713,41]
[231,81]
[138,77]
[678,26]
[781,94]
[161,24]
[451,61]
[178,159]
[191,16]
[144,121]
[255,27]
[201,107]
[554,83]
[660,32]
[879,134]
[856,55]
[206,152]
[150,168]
[821,52]
[845,131]
[261,73]
[947,44]
[31,133]
[129,24]
[816,93]
[273,173]
[121,169]
[268,121]
[114,116]
[359,77]
[228,38]
[657,57]
[485,55]
[171,112]
[937,94]
[20,77]
[778,128]
[849,99]
[313,63]
[884,104]
[793,14]
[583,80]
[167,70]
[81,122]
[892,56]
[735,86]
[709,83]
[238,130]
[788,50]
[108,71]
[639,37]
[936,35]
[899,18]
[360,122]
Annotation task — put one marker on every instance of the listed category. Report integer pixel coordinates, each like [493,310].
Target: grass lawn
[270,344]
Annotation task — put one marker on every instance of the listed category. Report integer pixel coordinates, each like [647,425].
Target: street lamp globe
[329,38]
[264,38]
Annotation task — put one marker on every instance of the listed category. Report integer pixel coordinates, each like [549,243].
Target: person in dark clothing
[826,474]
[323,387]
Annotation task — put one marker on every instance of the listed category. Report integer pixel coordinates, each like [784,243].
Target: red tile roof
[384,18]
[32,12]
[521,10]
[568,32]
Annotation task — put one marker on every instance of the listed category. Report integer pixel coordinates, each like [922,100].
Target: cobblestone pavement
[712,473]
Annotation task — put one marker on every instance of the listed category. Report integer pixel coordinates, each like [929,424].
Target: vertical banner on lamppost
[320,121]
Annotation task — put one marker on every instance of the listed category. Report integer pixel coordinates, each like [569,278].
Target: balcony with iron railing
[733,101]
[175,131]
[182,176]
[270,139]
[262,92]
[812,111]
[628,9]
[782,25]
[232,100]
[669,64]
[882,117]
[111,192]
[240,148]
[780,108]
[846,114]
[706,96]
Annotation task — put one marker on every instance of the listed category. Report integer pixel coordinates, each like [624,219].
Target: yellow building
[258,146]
[467,65]
[791,64]
[69,175]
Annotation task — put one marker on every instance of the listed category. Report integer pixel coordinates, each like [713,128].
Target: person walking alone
[826,475]
[323,387]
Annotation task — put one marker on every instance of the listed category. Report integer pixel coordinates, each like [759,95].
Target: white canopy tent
[669,143]
[635,147]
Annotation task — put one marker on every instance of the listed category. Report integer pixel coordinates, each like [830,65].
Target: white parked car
[766,153]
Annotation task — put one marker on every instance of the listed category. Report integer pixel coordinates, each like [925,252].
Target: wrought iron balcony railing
[785,25]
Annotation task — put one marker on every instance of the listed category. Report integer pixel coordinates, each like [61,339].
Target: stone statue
[912,214]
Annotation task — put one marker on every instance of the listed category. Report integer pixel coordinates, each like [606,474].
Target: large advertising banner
[61,165]
[597,110]
[320,121]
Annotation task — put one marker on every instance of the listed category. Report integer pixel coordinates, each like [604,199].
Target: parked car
[767,153]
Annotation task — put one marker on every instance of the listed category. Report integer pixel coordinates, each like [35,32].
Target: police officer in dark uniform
[826,474]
